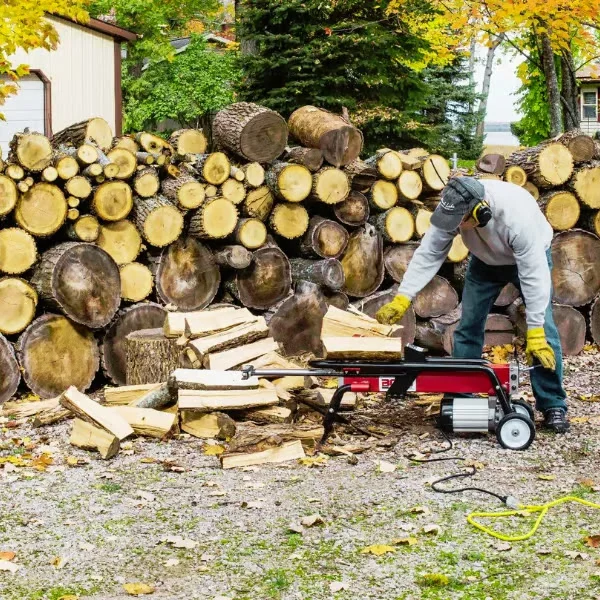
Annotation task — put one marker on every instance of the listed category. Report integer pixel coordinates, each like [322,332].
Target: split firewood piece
[362,176]
[189,141]
[233,257]
[354,210]
[73,347]
[42,210]
[233,190]
[363,262]
[128,394]
[547,165]
[159,398]
[147,421]
[585,183]
[458,250]
[410,185]
[435,173]
[575,276]
[258,203]
[337,139]
[212,168]
[81,280]
[250,437]
[532,189]
[272,414]
[237,357]
[251,233]
[387,162]
[32,151]
[215,426]
[112,201]
[92,412]
[492,163]
[219,400]
[286,452]
[590,221]
[254,174]
[187,275]
[125,159]
[265,282]
[145,315]
[324,238]
[288,181]
[66,166]
[383,195]
[397,258]
[561,209]
[341,323]
[121,240]
[18,251]
[206,322]
[85,229]
[199,380]
[137,282]
[273,360]
[153,144]
[151,356]
[97,130]
[507,296]
[327,273]
[18,300]
[159,222]
[14,172]
[437,298]
[330,185]
[311,158]
[10,373]
[215,219]
[183,191]
[87,436]
[516,175]
[146,182]
[8,195]
[199,349]
[396,224]
[289,220]
[51,416]
[23,410]
[580,145]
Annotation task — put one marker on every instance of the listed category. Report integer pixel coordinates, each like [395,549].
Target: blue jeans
[483,284]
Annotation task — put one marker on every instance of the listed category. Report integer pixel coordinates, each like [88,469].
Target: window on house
[589,106]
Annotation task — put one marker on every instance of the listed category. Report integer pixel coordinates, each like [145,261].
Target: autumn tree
[23,26]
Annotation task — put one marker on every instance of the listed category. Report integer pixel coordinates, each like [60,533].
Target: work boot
[555,419]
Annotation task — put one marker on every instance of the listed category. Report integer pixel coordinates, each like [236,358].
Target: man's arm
[426,261]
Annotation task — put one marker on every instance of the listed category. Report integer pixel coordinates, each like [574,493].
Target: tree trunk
[325,273]
[324,239]
[18,301]
[10,374]
[80,280]
[56,353]
[151,356]
[159,222]
[215,219]
[354,210]
[18,251]
[437,298]
[569,93]
[549,69]
[96,130]
[42,210]
[485,86]
[121,240]
[363,262]
[145,315]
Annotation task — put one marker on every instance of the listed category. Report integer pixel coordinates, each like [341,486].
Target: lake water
[500,138]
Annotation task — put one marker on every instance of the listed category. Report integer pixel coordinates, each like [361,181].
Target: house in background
[588,78]
[79,80]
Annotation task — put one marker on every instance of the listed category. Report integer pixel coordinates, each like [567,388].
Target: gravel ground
[85,531]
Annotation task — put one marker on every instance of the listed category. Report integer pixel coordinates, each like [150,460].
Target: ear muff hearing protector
[482,213]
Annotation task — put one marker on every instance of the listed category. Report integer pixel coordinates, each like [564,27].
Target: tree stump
[81,280]
[324,239]
[354,210]
[145,315]
[151,356]
[56,353]
[363,262]
[10,374]
[42,210]
[121,240]
[18,301]
[437,298]
[97,130]
[18,251]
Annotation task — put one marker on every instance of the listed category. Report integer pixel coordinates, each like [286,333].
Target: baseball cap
[460,196]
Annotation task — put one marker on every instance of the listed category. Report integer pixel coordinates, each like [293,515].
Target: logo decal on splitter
[385,383]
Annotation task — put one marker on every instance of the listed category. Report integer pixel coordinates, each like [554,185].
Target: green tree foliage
[194,83]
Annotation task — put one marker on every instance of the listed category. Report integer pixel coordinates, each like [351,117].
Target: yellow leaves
[69,597]
[214,450]
[590,397]
[314,461]
[42,462]
[593,541]
[378,549]
[138,589]
[547,477]
[8,555]
[501,354]
[407,541]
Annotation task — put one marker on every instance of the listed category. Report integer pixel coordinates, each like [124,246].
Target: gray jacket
[517,234]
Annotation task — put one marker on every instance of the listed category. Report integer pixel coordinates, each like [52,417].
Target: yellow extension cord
[523,510]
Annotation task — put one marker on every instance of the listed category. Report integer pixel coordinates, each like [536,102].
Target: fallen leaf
[137,589]
[312,520]
[5,565]
[7,555]
[214,450]
[431,528]
[547,477]
[586,482]
[314,461]
[579,420]
[172,562]
[502,546]
[58,562]
[295,528]
[419,510]
[146,496]
[408,541]
[127,446]
[378,549]
[178,542]
[338,586]
[385,467]
[474,463]
[149,460]
[576,555]
[42,462]
[593,541]
[74,461]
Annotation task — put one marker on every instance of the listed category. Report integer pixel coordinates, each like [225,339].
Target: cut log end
[410,185]
[8,195]
[18,251]
[42,210]
[354,210]
[561,209]
[85,229]
[251,233]
[121,240]
[384,195]
[289,220]
[515,175]
[113,201]
[436,172]
[215,219]
[18,302]
[330,185]
[136,282]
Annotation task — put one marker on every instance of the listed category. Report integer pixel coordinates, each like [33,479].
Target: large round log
[253,132]
[326,273]
[42,210]
[324,238]
[96,130]
[595,320]
[146,315]
[81,280]
[576,276]
[18,251]
[121,240]
[363,262]
[435,173]
[397,258]
[561,209]
[18,301]
[8,195]
[112,201]
[330,185]
[32,151]
[580,145]
[56,353]
[571,328]
[586,184]
[151,356]
[546,165]
[10,374]
[339,141]
[437,298]
[187,275]
[354,210]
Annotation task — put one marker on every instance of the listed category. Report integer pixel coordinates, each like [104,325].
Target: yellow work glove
[538,347]
[393,311]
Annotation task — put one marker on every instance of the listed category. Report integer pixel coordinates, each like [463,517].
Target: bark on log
[145,315]
[330,185]
[159,222]
[437,298]
[251,233]
[215,219]
[571,328]
[561,209]
[212,168]
[410,185]
[438,334]
[311,158]
[188,141]
[383,195]
[125,159]
[18,251]
[387,163]
[81,280]
[396,224]
[339,141]
[575,276]
[499,330]
[151,356]
[184,191]
[580,145]
[56,353]
[233,257]
[187,275]
[532,189]
[137,282]
[585,183]
[8,195]
[297,323]
[112,201]
[595,320]
[324,239]
[397,258]
[10,374]
[492,163]
[258,203]
[289,220]
[363,262]
[326,273]
[153,144]
[18,301]
[32,151]
[253,132]
[121,240]
[354,210]
[96,130]
[362,176]
[546,165]
[84,229]
[516,175]
[217,425]
[42,210]
[290,182]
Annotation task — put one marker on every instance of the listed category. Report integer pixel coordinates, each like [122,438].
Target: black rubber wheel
[515,432]
[526,408]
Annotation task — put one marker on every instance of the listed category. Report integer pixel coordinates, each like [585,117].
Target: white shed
[78,80]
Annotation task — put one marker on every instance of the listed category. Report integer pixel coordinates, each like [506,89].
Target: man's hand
[538,347]
[393,311]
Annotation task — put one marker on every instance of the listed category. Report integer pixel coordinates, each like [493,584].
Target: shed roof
[590,72]
[114,31]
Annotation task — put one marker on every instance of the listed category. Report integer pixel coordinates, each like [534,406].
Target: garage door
[25,109]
